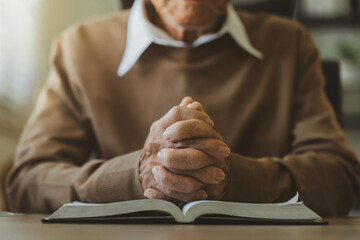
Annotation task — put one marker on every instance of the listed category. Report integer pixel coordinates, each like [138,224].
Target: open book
[291,212]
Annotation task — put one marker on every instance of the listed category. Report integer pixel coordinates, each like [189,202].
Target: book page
[190,204]
[292,200]
[87,210]
[290,210]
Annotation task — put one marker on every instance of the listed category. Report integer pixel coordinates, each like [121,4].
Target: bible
[201,212]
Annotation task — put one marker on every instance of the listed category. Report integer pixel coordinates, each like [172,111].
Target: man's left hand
[200,154]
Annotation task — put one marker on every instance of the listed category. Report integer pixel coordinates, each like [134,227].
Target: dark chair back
[331,70]
[125,4]
[285,8]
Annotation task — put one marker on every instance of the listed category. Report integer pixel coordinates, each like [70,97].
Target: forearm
[110,181]
[258,180]
[45,186]
[327,183]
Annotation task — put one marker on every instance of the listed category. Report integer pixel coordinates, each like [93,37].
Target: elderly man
[259,90]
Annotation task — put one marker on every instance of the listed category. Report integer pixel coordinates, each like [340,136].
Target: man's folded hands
[184,158]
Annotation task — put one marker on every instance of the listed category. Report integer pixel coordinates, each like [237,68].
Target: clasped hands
[184,159]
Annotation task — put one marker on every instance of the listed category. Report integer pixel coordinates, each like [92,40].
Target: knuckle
[175,112]
[168,158]
[154,126]
[202,158]
[189,186]
[165,178]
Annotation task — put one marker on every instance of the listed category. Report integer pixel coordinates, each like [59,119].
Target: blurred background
[27,28]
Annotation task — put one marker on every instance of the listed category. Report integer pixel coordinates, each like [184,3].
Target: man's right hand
[194,167]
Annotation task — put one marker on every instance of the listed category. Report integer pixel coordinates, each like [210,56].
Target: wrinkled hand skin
[184,158]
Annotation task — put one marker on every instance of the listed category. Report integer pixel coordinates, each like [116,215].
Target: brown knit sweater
[84,138]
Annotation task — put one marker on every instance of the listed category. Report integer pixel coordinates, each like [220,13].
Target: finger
[207,175]
[213,147]
[186,101]
[178,113]
[172,181]
[152,193]
[216,192]
[188,158]
[174,196]
[188,129]
[196,106]
[185,197]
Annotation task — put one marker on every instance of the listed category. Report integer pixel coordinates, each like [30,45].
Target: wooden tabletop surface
[30,227]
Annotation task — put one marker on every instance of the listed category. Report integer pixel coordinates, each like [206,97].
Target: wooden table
[29,227]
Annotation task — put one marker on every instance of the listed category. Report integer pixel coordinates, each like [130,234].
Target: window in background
[335,25]
[27,28]
[326,12]
[326,8]
[19,27]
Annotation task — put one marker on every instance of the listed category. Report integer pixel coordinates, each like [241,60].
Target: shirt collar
[141,33]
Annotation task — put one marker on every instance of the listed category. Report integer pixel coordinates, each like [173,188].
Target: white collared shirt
[141,33]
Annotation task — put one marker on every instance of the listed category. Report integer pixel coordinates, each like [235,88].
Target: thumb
[186,101]
[196,106]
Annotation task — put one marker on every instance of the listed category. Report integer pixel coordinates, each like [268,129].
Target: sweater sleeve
[320,166]
[53,163]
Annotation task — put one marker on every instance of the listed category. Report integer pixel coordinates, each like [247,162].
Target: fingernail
[202,195]
[156,170]
[224,151]
[167,134]
[149,193]
[219,175]
[189,105]
[160,154]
